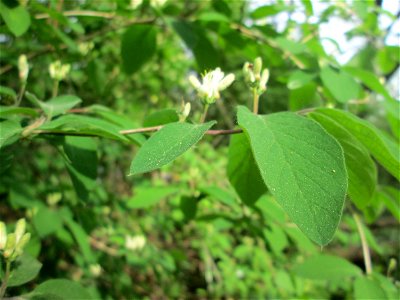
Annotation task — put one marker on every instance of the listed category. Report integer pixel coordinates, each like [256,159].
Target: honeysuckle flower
[213,82]
[59,71]
[254,77]
[135,242]
[14,243]
[23,68]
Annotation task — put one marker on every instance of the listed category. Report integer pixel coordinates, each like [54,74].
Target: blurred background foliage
[182,232]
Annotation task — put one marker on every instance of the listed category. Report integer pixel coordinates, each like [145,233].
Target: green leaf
[327,267]
[59,105]
[148,196]
[16,18]
[81,161]
[219,194]
[161,117]
[342,86]
[266,10]
[25,268]
[298,79]
[188,206]
[392,108]
[78,124]
[366,288]
[138,45]
[360,167]
[8,92]
[243,172]
[196,39]
[303,167]
[9,133]
[60,289]
[369,79]
[47,221]
[386,154]
[13,110]
[82,238]
[166,145]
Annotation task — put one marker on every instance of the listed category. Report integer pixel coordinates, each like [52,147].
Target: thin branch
[79,13]
[156,128]
[364,244]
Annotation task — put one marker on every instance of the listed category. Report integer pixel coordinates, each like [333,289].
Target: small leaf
[62,289]
[138,46]
[25,269]
[377,144]
[59,105]
[188,206]
[303,167]
[327,267]
[243,171]
[161,117]
[16,18]
[360,167]
[166,145]
[342,86]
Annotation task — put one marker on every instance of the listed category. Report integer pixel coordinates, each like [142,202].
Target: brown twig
[79,13]
[156,128]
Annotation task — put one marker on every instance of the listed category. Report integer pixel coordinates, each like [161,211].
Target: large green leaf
[342,86]
[12,110]
[60,289]
[303,167]
[166,145]
[138,45]
[25,268]
[385,151]
[360,167]
[16,18]
[242,170]
[327,267]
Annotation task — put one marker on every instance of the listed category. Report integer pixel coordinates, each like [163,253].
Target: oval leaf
[60,289]
[166,145]
[302,166]
[25,269]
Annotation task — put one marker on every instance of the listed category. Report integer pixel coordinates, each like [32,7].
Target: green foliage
[298,176]
[166,145]
[284,202]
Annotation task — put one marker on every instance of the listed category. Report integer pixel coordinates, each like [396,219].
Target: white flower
[23,67]
[213,82]
[3,235]
[254,77]
[59,71]
[135,242]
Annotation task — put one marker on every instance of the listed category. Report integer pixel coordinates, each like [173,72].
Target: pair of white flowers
[215,81]
[12,244]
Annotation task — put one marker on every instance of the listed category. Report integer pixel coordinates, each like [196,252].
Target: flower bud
[257,67]
[20,229]
[23,68]
[10,245]
[59,71]
[186,110]
[264,80]
[3,235]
